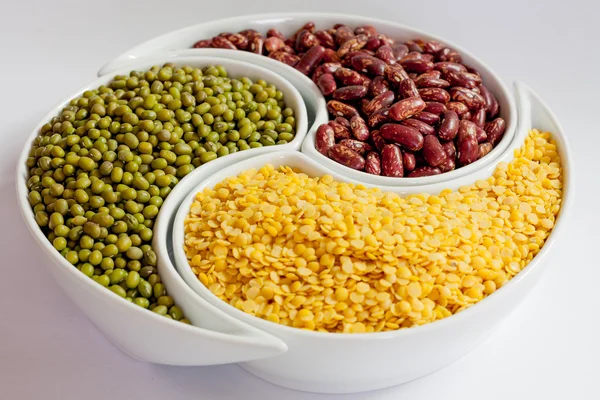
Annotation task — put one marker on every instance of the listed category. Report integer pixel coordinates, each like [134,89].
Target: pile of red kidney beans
[398,109]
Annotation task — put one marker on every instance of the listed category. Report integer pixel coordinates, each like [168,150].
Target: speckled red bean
[400,50]
[356,145]
[378,140]
[354,44]
[406,108]
[434,94]
[428,118]
[373,43]
[220,42]
[449,55]
[275,33]
[305,41]
[368,30]
[414,46]
[273,44]
[373,163]
[434,107]
[409,160]
[384,100]
[342,34]
[407,88]
[339,131]
[286,58]
[386,54]
[348,77]
[339,109]
[468,97]
[347,157]
[378,86]
[391,161]
[325,39]
[484,149]
[256,44]
[359,128]
[324,139]
[447,165]
[449,126]
[241,42]
[445,67]
[481,135]
[330,56]
[368,64]
[459,108]
[432,47]
[422,127]
[479,117]
[425,170]
[327,84]
[395,73]
[409,138]
[491,104]
[418,66]
[465,79]
[450,149]
[379,117]
[429,82]
[467,146]
[433,152]
[495,130]
[310,59]
[350,93]
[201,44]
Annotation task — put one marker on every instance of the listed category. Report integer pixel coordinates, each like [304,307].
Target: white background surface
[549,348]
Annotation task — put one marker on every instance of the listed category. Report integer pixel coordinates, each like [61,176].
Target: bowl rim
[22,173]
[278,329]
[510,115]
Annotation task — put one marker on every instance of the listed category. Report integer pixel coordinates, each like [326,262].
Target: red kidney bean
[306,40]
[467,146]
[324,139]
[378,140]
[330,56]
[356,145]
[310,59]
[406,108]
[448,54]
[342,34]
[386,54]
[350,93]
[373,163]
[428,82]
[347,157]
[339,131]
[432,47]
[391,161]
[495,130]
[425,170]
[407,88]
[459,108]
[378,86]
[395,73]
[447,165]
[368,30]
[450,149]
[444,67]
[468,97]
[273,44]
[481,135]
[491,104]
[409,160]
[465,79]
[379,117]
[202,44]
[422,127]
[286,58]
[368,64]
[449,126]
[275,33]
[418,66]
[348,77]
[433,152]
[434,107]
[359,128]
[373,43]
[327,84]
[325,39]
[484,149]
[428,118]
[384,100]
[415,46]
[222,43]
[409,138]
[340,109]
[434,94]
[256,45]
[479,117]
[400,50]
[354,44]
[239,41]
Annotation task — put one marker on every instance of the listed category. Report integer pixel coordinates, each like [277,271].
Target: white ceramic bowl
[344,363]
[143,334]
[180,41]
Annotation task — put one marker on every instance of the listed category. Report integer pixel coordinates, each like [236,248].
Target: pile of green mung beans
[100,171]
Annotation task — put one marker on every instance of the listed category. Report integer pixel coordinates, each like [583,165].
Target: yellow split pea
[318,254]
